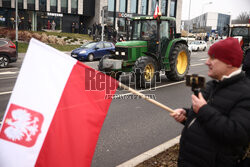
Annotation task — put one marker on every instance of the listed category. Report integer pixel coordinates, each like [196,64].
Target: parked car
[93,50]
[7,52]
[198,45]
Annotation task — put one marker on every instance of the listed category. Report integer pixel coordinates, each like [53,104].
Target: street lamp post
[209,3]
[17,20]
[201,25]
[189,21]
[102,16]
[114,14]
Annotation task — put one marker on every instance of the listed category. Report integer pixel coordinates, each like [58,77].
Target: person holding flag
[56,111]
[217,126]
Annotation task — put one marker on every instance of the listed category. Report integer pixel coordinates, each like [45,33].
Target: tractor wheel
[179,61]
[115,75]
[145,71]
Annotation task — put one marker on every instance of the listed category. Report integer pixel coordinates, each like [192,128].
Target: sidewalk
[151,153]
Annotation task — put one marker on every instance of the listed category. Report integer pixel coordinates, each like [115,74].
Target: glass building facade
[173,5]
[144,7]
[53,5]
[133,6]
[223,20]
[38,14]
[139,7]
[164,7]
[210,23]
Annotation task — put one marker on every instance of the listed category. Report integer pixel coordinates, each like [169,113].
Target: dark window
[6,3]
[31,4]
[239,31]
[100,45]
[74,6]
[123,6]
[31,1]
[133,6]
[107,45]
[144,7]
[64,6]
[173,4]
[2,43]
[111,5]
[164,7]
[20,4]
[153,5]
[53,5]
[42,5]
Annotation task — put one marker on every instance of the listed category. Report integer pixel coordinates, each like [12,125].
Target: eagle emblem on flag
[21,126]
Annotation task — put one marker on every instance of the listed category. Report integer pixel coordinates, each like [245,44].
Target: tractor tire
[179,60]
[145,72]
[115,75]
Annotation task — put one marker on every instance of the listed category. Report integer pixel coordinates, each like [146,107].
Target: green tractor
[154,46]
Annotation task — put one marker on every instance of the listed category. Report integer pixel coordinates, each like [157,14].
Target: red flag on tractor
[157,11]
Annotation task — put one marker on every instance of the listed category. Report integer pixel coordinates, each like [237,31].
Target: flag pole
[146,98]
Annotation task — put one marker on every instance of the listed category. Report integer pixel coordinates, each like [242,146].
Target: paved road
[131,126]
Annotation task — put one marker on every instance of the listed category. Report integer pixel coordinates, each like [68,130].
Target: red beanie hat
[228,51]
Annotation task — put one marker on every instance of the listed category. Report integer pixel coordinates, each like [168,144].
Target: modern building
[210,22]
[128,8]
[77,15]
[39,14]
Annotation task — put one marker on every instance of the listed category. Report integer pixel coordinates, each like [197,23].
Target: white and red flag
[55,112]
[157,11]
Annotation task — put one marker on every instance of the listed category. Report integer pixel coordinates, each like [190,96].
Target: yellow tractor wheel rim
[149,72]
[182,62]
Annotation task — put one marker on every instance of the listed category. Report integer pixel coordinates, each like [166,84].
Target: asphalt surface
[132,126]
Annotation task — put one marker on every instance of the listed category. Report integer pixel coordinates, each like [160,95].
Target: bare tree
[242,18]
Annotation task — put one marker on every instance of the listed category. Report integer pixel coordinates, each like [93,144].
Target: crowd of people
[95,31]
[51,25]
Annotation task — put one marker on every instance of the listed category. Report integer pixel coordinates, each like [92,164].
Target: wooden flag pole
[146,98]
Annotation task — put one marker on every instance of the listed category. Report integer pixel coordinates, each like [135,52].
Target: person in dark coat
[73,27]
[76,27]
[94,29]
[246,63]
[114,34]
[217,126]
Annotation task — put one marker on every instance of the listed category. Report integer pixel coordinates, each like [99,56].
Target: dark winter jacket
[218,135]
[246,63]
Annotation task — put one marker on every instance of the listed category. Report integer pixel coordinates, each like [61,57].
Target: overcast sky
[231,7]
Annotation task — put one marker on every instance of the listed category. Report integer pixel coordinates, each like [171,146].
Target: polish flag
[157,10]
[56,111]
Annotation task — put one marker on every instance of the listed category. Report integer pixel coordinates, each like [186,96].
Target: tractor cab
[242,33]
[153,31]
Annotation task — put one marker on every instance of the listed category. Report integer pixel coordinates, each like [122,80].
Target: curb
[150,153]
[68,53]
